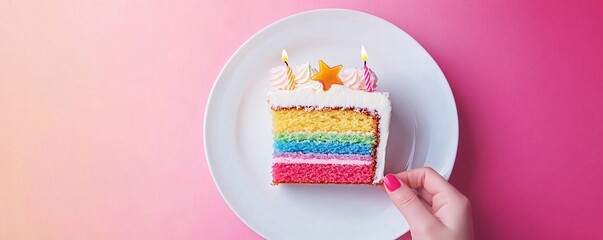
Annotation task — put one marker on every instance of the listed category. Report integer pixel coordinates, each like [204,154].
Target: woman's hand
[433,208]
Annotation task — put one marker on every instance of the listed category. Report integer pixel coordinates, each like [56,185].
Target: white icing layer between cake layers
[341,96]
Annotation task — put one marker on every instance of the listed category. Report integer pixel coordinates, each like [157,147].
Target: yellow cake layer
[300,120]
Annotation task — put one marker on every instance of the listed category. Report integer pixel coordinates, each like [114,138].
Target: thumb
[407,201]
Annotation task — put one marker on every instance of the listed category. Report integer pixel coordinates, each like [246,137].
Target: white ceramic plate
[238,140]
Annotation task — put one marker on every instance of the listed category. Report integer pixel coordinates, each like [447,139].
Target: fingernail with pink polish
[391,182]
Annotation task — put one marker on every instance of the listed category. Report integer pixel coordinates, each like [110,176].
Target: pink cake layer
[321,173]
[319,161]
[324,156]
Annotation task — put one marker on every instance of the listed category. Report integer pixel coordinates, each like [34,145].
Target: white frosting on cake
[320,161]
[341,96]
[303,77]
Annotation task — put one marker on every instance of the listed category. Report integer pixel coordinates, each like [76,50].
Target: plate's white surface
[238,140]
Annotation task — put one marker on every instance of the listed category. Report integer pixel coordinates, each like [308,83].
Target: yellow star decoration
[327,75]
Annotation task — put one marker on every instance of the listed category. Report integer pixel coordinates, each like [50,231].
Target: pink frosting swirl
[354,78]
[278,78]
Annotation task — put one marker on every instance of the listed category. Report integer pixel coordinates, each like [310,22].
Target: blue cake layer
[323,147]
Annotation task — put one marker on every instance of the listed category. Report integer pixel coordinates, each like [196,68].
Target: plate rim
[212,98]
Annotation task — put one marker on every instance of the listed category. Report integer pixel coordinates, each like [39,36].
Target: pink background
[102,103]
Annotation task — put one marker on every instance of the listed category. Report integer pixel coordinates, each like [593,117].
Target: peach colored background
[101,106]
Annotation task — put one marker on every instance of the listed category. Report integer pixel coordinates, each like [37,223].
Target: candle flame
[284,55]
[364,55]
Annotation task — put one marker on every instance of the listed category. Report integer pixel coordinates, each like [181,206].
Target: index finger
[428,179]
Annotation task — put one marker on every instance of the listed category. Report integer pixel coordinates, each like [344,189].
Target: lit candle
[290,76]
[369,81]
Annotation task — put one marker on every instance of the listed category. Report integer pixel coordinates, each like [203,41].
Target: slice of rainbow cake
[330,134]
